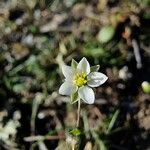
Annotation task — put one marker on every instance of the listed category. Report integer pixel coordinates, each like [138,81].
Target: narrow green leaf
[95,68]
[102,145]
[112,122]
[74,64]
[74,97]
[75,132]
[99,141]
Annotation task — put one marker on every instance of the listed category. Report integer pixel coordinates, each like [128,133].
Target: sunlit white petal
[86,94]
[84,66]
[68,72]
[95,79]
[67,88]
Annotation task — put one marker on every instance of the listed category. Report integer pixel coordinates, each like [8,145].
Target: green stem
[78,113]
[78,121]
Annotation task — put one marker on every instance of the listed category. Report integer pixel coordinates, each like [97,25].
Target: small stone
[28,40]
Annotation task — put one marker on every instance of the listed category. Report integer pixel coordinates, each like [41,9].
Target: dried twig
[137,53]
[41,138]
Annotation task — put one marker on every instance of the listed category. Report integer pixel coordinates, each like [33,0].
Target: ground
[37,37]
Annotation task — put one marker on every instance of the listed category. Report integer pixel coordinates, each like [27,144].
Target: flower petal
[67,88]
[68,72]
[84,66]
[86,94]
[95,79]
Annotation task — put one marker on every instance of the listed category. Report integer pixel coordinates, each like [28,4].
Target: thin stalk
[78,121]
[78,113]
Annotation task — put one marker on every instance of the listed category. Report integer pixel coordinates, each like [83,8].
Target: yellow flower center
[80,79]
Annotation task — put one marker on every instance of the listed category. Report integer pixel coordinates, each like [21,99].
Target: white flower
[80,79]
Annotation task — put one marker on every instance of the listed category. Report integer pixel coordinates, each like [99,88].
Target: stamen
[80,79]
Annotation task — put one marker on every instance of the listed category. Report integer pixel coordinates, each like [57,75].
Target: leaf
[106,34]
[102,145]
[74,97]
[75,132]
[95,68]
[18,88]
[112,122]
[94,51]
[99,141]
[74,64]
